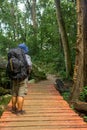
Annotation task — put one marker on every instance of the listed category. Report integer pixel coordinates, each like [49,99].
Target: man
[20,88]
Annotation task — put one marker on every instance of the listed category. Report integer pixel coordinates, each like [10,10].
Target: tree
[18,26]
[64,39]
[80,70]
[31,5]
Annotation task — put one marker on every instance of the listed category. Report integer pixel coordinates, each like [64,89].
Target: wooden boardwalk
[45,110]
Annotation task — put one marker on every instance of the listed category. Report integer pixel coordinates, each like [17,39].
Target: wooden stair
[45,110]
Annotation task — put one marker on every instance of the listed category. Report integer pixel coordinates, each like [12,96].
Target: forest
[56,33]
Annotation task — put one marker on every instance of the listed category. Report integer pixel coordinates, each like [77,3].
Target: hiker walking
[18,68]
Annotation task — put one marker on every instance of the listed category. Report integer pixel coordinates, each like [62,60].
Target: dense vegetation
[44,40]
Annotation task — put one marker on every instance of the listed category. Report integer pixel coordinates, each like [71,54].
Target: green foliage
[85,118]
[4,91]
[66,95]
[37,73]
[4,80]
[4,43]
[4,100]
[44,43]
[83,94]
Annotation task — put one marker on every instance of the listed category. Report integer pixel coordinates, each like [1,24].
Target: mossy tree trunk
[80,70]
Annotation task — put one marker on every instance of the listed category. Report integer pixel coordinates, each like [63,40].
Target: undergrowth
[4,100]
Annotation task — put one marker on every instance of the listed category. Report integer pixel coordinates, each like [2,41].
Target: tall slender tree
[64,39]
[32,7]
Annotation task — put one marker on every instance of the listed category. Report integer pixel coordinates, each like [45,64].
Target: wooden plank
[45,110]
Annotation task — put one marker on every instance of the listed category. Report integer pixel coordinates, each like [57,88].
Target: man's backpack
[17,64]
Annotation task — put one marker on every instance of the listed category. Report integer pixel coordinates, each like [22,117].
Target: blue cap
[24,47]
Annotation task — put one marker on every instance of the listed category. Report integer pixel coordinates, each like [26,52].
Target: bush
[4,100]
[83,94]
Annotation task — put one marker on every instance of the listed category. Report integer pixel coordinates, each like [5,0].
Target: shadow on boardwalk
[45,110]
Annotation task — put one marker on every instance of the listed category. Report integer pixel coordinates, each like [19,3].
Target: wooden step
[45,110]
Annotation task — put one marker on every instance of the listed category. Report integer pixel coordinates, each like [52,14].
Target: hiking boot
[14,110]
[21,112]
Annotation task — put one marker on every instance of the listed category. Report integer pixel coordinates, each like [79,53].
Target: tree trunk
[34,14]
[85,40]
[80,70]
[64,39]
[13,21]
[32,7]
[80,106]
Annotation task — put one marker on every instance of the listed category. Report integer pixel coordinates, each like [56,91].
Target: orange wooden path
[45,110]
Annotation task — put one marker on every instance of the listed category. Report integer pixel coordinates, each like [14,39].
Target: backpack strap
[11,64]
